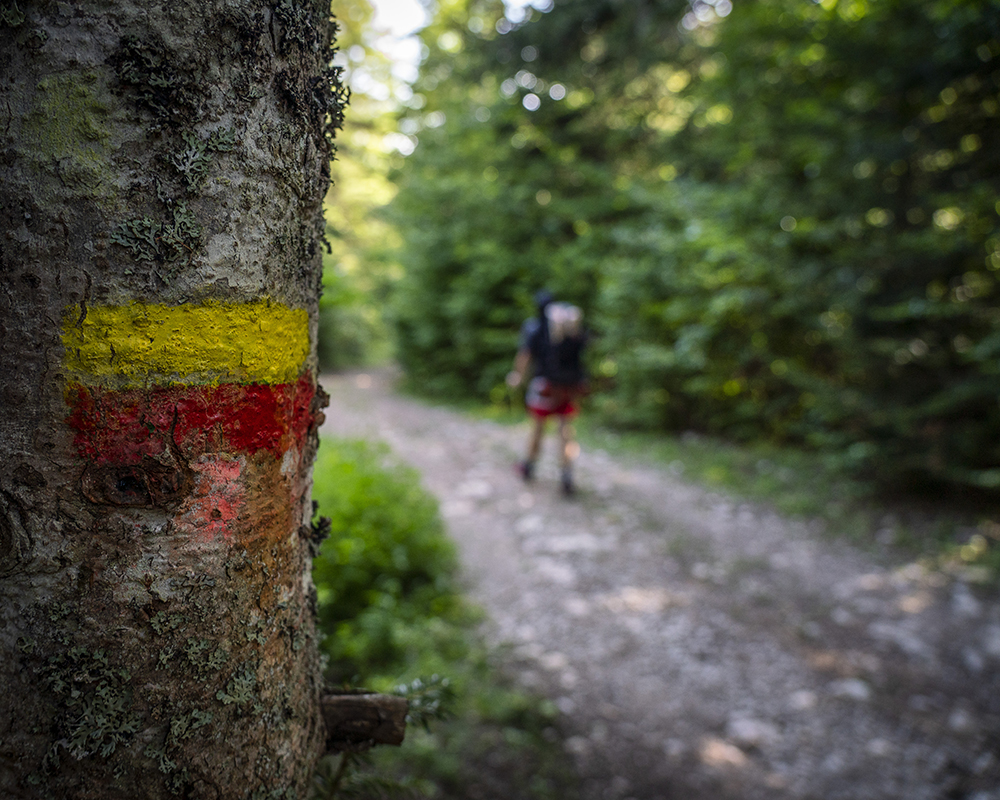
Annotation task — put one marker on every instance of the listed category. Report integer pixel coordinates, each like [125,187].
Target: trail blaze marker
[139,344]
[195,407]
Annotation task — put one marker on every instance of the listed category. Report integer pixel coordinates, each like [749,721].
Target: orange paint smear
[217,500]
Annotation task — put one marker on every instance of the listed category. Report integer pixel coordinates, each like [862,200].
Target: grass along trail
[699,647]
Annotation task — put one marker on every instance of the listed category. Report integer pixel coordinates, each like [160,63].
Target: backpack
[562,356]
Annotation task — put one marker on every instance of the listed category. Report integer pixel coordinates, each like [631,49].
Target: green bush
[385,576]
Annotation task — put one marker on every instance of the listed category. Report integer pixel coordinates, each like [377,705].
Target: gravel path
[699,647]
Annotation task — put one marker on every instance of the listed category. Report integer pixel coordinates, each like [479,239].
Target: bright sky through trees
[396,21]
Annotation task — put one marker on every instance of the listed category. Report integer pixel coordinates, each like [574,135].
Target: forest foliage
[779,216]
[359,264]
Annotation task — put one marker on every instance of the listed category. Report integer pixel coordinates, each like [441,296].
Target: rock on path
[698,647]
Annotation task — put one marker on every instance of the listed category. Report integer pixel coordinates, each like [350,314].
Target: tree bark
[164,167]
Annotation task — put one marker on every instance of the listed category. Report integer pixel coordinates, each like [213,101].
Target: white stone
[905,639]
[569,679]
[566,705]
[879,748]
[529,524]
[812,629]
[599,732]
[802,700]
[555,571]
[674,748]
[834,762]
[577,606]
[717,753]
[871,582]
[983,763]
[570,543]
[973,660]
[781,561]
[553,661]
[474,489]
[749,732]
[841,616]
[991,640]
[851,689]
[964,604]
[452,509]
[919,702]
[577,746]
[532,650]
[961,721]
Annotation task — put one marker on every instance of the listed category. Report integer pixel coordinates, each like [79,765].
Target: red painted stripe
[122,426]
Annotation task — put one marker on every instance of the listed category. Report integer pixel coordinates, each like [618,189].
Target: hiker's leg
[535,439]
[527,467]
[570,450]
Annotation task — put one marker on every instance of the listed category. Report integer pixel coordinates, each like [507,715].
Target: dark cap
[543,298]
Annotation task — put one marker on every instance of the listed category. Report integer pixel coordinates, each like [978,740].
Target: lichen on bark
[156,633]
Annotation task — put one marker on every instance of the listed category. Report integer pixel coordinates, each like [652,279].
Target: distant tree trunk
[164,167]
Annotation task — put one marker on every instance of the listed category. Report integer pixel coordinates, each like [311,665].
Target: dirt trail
[699,647]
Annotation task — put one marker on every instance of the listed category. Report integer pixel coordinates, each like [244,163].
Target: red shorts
[544,399]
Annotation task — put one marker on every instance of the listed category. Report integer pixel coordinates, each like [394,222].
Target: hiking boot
[568,489]
[526,469]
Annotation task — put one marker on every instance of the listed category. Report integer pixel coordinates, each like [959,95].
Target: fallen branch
[358,720]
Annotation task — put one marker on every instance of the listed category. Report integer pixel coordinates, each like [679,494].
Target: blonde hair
[564,321]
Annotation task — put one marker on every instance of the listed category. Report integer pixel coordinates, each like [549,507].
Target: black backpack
[563,346]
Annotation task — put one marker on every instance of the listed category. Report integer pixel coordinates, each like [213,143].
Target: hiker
[551,346]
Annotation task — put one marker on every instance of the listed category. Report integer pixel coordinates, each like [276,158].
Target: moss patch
[69,127]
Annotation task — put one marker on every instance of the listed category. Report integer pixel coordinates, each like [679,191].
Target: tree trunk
[164,166]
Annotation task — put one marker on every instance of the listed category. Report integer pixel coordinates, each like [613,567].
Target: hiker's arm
[521,362]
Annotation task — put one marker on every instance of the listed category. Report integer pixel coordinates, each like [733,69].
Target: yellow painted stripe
[142,344]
